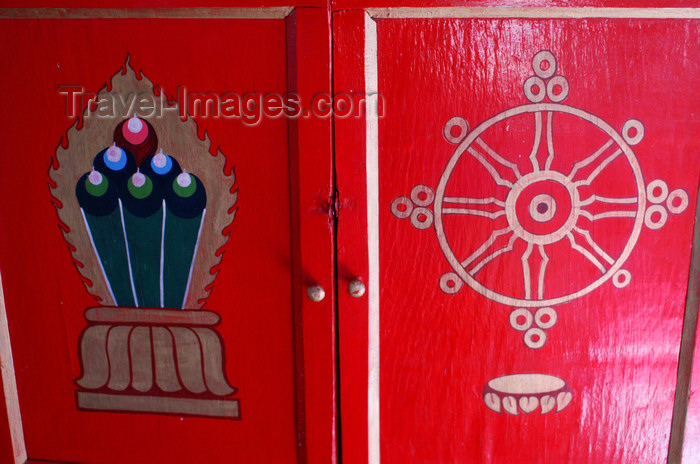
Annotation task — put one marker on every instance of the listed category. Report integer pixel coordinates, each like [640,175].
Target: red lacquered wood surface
[350,159]
[311,142]
[616,349]
[253,291]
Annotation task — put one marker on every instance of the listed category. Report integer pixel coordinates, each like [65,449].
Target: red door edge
[313,247]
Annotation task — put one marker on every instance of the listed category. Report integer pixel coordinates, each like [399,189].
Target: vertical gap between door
[336,290]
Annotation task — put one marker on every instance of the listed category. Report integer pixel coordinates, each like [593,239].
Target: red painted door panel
[214,382]
[527,196]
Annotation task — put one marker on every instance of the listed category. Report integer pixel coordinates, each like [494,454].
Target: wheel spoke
[586,253]
[543,269]
[474,201]
[590,159]
[612,200]
[526,271]
[485,246]
[487,259]
[536,142]
[494,174]
[550,142]
[604,164]
[607,214]
[498,158]
[598,249]
[475,212]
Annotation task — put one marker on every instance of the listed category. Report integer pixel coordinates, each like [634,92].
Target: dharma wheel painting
[523,214]
[143,205]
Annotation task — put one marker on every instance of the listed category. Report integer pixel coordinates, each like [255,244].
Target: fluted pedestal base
[158,405]
[153,360]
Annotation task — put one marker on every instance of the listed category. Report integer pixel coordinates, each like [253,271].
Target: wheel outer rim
[461,149]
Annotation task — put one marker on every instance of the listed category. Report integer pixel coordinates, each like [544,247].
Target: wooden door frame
[314,322]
